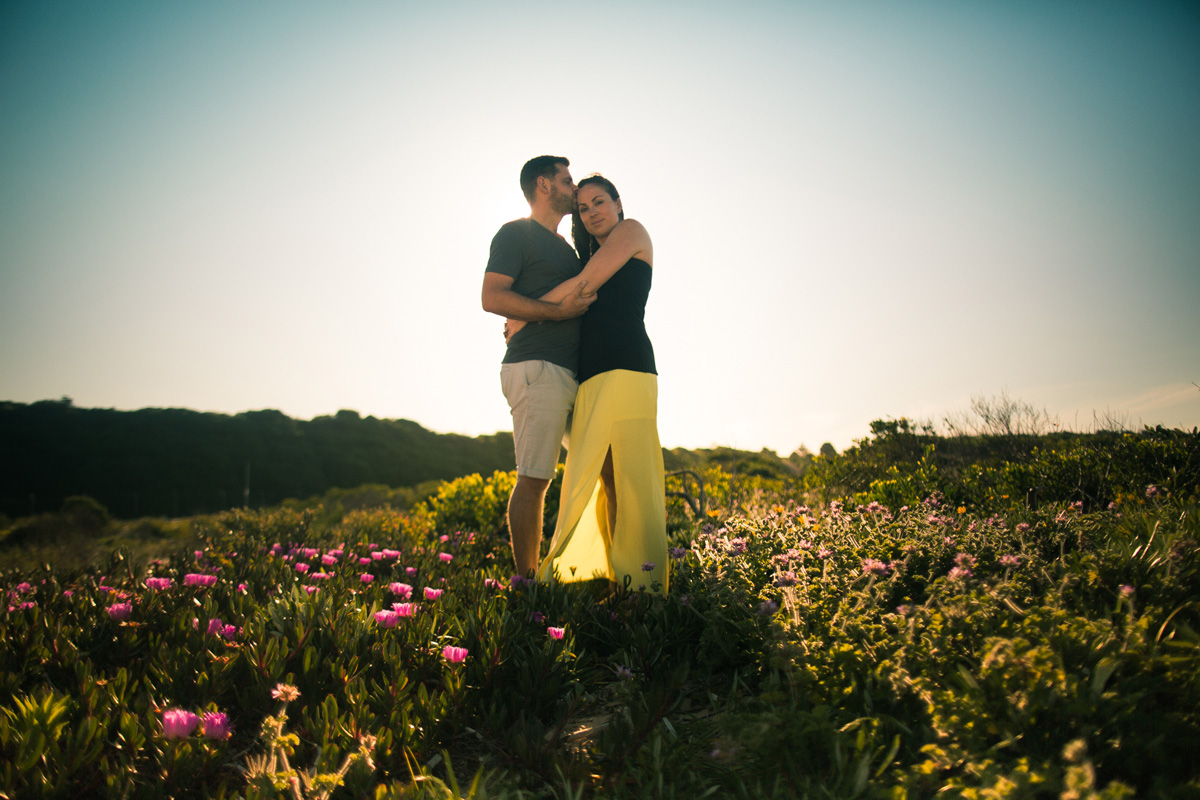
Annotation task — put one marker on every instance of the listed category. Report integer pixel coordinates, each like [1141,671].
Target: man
[528,258]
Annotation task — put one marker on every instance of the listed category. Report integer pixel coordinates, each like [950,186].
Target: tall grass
[845,650]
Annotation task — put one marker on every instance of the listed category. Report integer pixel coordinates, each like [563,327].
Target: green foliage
[963,646]
[176,462]
[901,464]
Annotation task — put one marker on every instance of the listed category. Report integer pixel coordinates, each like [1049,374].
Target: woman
[612,513]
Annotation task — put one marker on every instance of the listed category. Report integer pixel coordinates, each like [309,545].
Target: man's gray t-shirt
[537,259]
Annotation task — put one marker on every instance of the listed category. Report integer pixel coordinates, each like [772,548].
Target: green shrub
[856,650]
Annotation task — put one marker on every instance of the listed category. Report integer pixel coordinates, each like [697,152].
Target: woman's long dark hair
[585,243]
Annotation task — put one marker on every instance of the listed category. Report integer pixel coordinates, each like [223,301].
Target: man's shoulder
[517,227]
[510,248]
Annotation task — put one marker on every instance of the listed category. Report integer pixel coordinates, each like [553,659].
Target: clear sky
[859,210]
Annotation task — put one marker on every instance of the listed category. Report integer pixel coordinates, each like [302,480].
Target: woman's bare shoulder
[633,235]
[631,227]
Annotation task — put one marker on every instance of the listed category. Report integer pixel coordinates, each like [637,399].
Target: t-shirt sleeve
[507,255]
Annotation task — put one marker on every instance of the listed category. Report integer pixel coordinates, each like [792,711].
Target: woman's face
[599,212]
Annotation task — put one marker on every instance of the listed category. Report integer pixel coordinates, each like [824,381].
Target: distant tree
[86,512]
[999,416]
[171,462]
[801,459]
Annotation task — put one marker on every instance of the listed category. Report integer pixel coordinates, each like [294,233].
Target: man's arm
[499,298]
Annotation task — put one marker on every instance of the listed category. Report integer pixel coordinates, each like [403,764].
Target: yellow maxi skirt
[617,409]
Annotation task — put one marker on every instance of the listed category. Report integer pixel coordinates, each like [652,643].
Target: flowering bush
[850,650]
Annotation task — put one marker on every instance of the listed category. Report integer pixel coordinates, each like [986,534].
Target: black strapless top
[613,333]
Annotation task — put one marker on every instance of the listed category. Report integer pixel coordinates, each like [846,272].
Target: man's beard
[561,203]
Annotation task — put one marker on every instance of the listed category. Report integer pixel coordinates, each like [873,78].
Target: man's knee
[530,487]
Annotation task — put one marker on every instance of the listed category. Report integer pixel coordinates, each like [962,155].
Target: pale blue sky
[859,210]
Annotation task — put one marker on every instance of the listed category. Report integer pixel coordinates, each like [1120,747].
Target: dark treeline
[173,462]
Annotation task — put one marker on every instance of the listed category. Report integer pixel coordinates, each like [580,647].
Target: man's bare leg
[525,521]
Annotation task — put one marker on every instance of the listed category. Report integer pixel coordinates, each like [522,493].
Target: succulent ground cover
[837,650]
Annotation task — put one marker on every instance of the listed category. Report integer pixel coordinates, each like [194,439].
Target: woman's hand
[511,326]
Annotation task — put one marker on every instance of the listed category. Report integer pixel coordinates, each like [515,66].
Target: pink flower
[311,589]
[556,633]
[959,573]
[159,583]
[196,579]
[364,562]
[120,611]
[964,560]
[366,577]
[411,571]
[390,553]
[402,589]
[199,554]
[387,619]
[492,583]
[455,655]
[242,588]
[179,724]
[432,594]
[215,627]
[285,692]
[216,725]
[329,559]
[1127,591]
[321,576]
[871,566]
[446,557]
[404,609]
[1010,560]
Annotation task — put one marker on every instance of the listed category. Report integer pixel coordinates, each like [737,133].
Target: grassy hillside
[175,462]
[807,648]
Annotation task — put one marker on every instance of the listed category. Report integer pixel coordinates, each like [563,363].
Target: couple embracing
[578,358]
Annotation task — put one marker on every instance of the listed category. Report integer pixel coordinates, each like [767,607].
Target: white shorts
[541,396]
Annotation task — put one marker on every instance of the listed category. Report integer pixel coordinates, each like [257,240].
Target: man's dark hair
[540,167]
